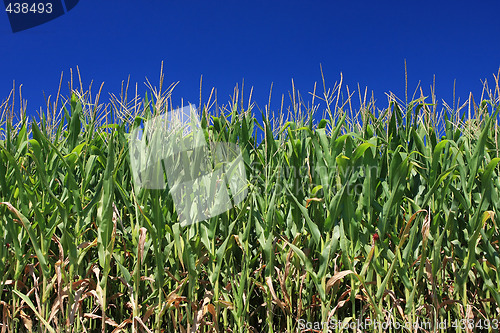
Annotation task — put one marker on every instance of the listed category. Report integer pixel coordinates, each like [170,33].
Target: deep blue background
[258,41]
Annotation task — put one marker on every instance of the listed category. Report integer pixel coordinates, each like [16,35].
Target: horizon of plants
[387,215]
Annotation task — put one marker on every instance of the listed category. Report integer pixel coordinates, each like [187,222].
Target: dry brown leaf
[308,201]
[122,325]
[59,283]
[27,322]
[170,275]
[238,242]
[201,311]
[176,299]
[149,312]
[426,226]
[56,307]
[91,316]
[211,308]
[142,324]
[77,284]
[336,278]
[87,244]
[428,271]
[76,304]
[142,241]
[31,271]
[284,277]
[396,301]
[469,316]
[5,315]
[404,232]
[147,278]
[109,321]
[448,302]
[82,325]
[273,293]
[340,303]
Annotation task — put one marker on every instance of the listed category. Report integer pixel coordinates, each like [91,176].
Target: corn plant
[388,215]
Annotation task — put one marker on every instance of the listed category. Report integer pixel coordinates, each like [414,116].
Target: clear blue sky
[260,42]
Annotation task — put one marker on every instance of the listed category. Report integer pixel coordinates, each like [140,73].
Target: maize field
[350,214]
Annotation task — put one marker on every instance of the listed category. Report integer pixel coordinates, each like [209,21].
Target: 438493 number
[25,8]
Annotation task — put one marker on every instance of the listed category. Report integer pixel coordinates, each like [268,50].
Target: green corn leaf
[33,238]
[28,301]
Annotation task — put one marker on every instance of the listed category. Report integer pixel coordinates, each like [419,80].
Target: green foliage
[349,220]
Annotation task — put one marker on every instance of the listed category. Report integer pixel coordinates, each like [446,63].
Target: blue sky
[262,42]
